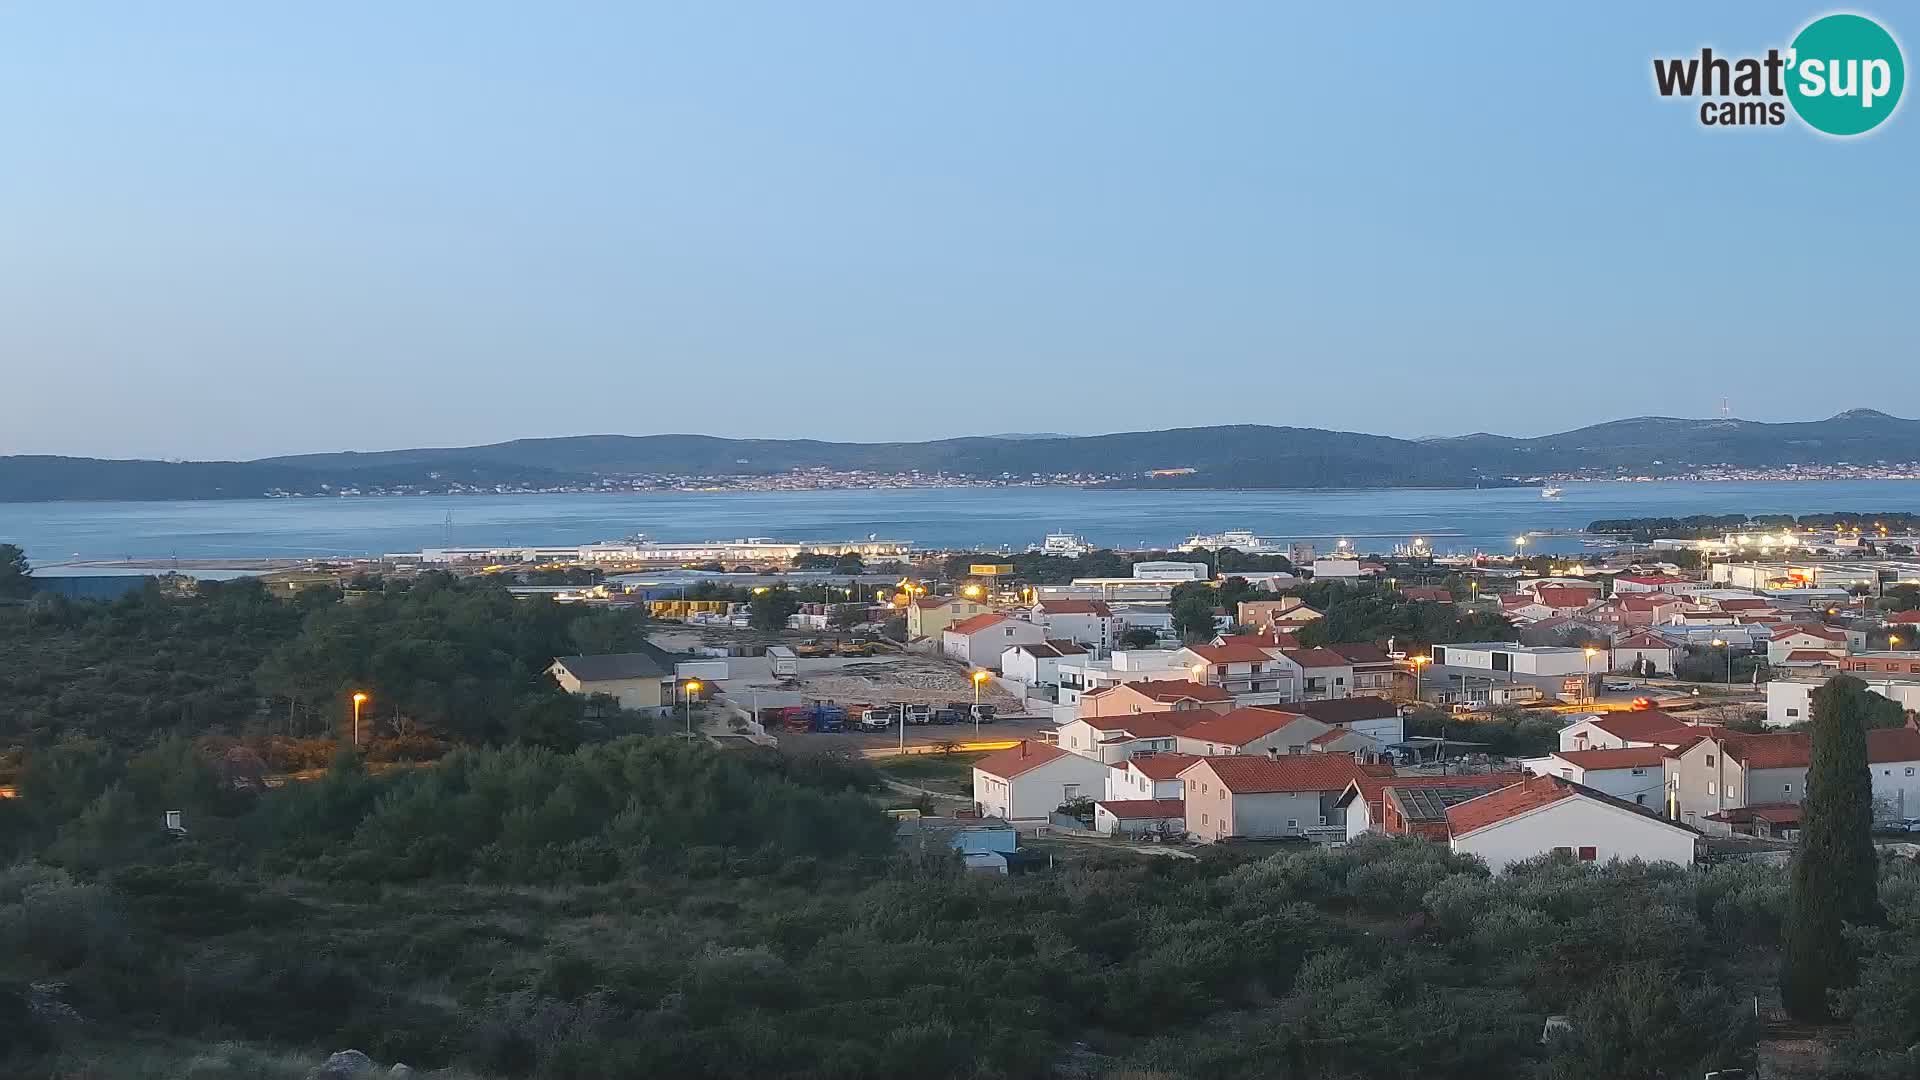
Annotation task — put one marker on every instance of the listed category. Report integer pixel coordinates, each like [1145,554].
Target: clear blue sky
[238,229]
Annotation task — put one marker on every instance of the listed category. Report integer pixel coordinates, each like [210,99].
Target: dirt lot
[901,677]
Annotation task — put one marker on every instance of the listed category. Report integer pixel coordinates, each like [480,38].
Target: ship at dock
[1242,540]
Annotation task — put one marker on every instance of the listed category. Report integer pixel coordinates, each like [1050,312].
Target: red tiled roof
[1161,765]
[1241,726]
[1638,726]
[1317,658]
[1015,760]
[1823,632]
[1248,774]
[1893,744]
[1328,737]
[1510,801]
[1633,757]
[1776,813]
[1137,809]
[1428,594]
[1076,607]
[976,624]
[1741,604]
[1567,597]
[1653,579]
[1345,710]
[1362,652]
[1230,654]
[1644,640]
[1634,601]
[1149,725]
[1905,616]
[1815,656]
[1169,690]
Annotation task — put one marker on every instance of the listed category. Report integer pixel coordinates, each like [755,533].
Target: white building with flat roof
[1519,659]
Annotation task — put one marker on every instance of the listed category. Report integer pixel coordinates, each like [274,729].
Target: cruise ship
[1242,540]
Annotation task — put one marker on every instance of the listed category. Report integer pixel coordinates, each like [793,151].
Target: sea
[1449,520]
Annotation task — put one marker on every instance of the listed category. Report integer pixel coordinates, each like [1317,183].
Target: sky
[231,230]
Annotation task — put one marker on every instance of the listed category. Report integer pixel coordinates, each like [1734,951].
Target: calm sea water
[1451,520]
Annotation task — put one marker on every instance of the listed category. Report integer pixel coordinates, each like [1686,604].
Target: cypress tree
[1835,872]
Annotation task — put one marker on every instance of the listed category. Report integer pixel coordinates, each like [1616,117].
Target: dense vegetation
[441,659]
[1695,526]
[1370,612]
[650,908]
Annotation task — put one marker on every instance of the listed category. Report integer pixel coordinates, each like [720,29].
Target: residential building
[1642,653]
[642,681]
[1157,695]
[1426,594]
[1322,673]
[1646,583]
[1619,730]
[1375,674]
[1633,610]
[1502,656]
[1148,776]
[1140,817]
[1636,774]
[1250,673]
[928,616]
[1349,742]
[1363,800]
[1260,614]
[1726,770]
[1086,674]
[979,641]
[1250,731]
[1805,637]
[1256,797]
[1029,781]
[1114,740]
[1790,701]
[1882,663]
[1038,665]
[1421,809]
[1089,622]
[1551,814]
[1374,717]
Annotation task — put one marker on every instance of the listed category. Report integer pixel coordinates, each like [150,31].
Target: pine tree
[1835,873]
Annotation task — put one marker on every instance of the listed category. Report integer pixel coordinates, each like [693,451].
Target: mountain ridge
[1219,456]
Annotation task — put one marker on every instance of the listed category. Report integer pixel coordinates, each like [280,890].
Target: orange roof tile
[1230,654]
[1317,658]
[976,624]
[1015,760]
[1161,765]
[1138,809]
[1241,726]
[1167,690]
[1633,757]
[1250,774]
[1076,607]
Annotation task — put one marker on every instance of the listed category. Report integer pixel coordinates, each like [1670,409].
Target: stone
[400,1068]
[343,1065]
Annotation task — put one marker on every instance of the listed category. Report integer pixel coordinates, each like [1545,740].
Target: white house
[1375,717]
[1805,637]
[1138,817]
[1081,675]
[1615,731]
[1029,781]
[1090,622]
[1637,651]
[1549,814]
[1148,776]
[1038,665]
[1635,774]
[1504,656]
[979,641]
[640,681]
[1253,675]
[1790,701]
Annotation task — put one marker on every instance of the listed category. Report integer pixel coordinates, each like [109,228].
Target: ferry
[1066,544]
[1241,540]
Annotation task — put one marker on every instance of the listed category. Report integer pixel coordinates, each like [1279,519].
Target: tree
[1193,612]
[1139,637]
[848,616]
[16,575]
[770,609]
[1835,872]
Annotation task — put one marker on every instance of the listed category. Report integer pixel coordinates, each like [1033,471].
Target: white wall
[1124,785]
[1897,784]
[1359,818]
[1596,738]
[1036,793]
[1645,786]
[1575,823]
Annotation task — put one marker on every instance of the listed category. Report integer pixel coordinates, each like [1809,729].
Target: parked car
[1912,824]
[1616,686]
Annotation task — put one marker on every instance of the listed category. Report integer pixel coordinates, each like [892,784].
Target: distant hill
[1237,456]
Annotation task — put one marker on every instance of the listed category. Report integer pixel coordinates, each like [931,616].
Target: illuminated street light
[359,699]
[691,687]
[978,677]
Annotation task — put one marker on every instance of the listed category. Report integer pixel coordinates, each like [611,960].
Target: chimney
[1023,748]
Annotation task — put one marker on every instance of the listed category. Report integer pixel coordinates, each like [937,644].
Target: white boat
[1241,540]
[1067,544]
[1550,491]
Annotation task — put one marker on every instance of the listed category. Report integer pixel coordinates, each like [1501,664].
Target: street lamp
[690,688]
[978,677]
[1418,662]
[359,699]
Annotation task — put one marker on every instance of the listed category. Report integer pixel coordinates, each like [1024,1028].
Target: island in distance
[1859,443]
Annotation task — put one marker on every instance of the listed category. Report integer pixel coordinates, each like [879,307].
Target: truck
[919,714]
[878,719]
[829,717]
[797,718]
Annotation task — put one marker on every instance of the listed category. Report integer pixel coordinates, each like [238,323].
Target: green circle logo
[1845,74]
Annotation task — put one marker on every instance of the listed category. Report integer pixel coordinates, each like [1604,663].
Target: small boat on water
[1550,491]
